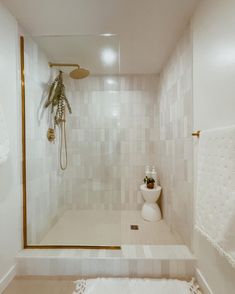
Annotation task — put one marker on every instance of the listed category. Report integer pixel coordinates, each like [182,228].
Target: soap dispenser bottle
[154,174]
[148,172]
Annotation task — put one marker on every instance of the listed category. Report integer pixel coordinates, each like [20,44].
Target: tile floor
[149,233]
[110,228]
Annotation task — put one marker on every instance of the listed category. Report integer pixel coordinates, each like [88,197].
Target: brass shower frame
[24,171]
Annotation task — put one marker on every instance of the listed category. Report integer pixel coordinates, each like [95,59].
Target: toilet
[150,210]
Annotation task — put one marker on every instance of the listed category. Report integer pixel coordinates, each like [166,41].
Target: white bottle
[154,175]
[147,171]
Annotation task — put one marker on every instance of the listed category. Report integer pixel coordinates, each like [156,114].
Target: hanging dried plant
[58,100]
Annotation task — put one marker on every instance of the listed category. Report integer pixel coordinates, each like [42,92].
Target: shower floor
[108,228]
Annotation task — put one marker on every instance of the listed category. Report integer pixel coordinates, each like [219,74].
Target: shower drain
[134,227]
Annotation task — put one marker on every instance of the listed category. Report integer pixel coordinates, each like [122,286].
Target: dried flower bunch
[58,100]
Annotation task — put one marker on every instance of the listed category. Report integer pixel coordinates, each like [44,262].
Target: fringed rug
[135,286]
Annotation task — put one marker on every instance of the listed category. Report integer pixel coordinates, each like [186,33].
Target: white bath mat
[135,286]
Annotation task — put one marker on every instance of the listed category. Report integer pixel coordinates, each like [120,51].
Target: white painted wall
[214,64]
[10,188]
[214,106]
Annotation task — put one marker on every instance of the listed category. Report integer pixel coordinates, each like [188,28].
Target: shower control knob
[51,135]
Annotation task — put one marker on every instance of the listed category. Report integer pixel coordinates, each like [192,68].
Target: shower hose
[63,144]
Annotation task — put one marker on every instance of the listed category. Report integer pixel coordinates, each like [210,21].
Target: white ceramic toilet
[150,210]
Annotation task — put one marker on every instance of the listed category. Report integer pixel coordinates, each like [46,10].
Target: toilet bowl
[150,210]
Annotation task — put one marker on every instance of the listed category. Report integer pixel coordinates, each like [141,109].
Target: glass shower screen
[72,141]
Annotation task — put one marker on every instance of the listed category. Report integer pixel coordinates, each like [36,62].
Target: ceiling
[99,54]
[148,29]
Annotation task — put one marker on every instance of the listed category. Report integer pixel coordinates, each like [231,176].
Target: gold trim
[196,134]
[51,64]
[73,247]
[24,175]
[23,141]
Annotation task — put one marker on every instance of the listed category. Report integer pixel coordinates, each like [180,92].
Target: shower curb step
[131,261]
[160,252]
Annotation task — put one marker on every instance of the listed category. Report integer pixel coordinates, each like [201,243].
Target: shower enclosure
[111,136]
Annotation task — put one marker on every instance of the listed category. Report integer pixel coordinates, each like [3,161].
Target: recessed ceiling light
[115,113]
[108,56]
[110,81]
[108,35]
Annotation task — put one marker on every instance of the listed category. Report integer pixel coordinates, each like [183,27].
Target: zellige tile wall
[111,137]
[175,152]
[45,184]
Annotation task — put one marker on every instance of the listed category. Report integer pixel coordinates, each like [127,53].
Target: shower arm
[196,134]
[51,64]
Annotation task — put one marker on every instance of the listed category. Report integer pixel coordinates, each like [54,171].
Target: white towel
[215,203]
[4,139]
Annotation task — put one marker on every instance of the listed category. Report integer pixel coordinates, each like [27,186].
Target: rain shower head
[78,73]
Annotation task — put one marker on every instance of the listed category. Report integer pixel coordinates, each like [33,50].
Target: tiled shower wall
[112,135]
[119,124]
[175,152]
[45,185]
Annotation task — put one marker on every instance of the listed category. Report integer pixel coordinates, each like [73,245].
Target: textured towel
[215,204]
[135,286]
[4,140]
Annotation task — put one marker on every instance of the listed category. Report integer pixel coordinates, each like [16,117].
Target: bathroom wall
[10,185]
[45,181]
[214,105]
[175,148]
[111,137]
